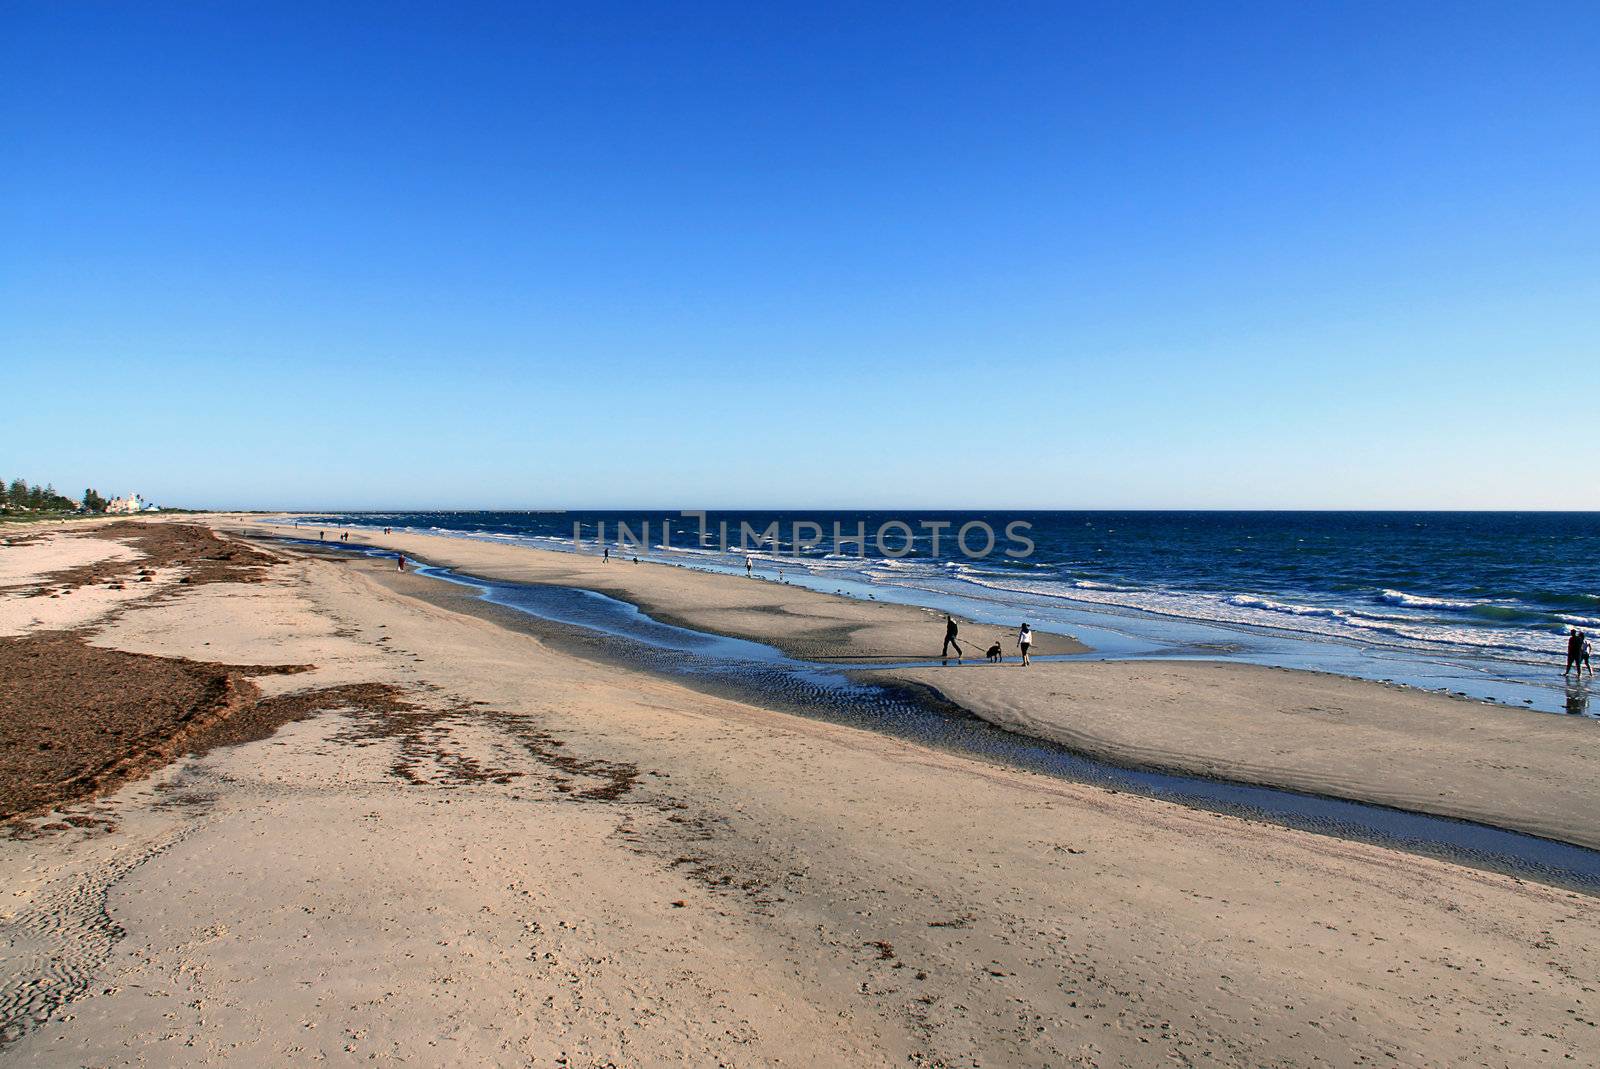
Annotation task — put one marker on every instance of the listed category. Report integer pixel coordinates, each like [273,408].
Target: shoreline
[1403,829]
[1236,799]
[1316,733]
[1279,628]
[468,837]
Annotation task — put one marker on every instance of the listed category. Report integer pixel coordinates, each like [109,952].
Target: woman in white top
[1024,640]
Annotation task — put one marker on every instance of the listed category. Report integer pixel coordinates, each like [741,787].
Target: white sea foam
[1332,622]
[1417,601]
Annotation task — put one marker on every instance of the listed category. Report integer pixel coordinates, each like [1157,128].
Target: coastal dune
[466,846]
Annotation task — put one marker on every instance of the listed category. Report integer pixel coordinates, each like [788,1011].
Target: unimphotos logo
[973,539]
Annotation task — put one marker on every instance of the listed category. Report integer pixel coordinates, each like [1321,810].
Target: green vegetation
[19,501]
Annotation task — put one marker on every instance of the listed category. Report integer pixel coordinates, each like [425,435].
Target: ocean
[1472,602]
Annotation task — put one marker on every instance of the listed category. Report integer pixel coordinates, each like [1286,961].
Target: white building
[131,503]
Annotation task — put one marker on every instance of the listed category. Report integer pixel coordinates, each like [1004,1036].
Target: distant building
[131,503]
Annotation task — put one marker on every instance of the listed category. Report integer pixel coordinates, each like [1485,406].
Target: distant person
[322,536]
[1025,642]
[1583,657]
[748,569]
[388,530]
[636,560]
[400,562]
[605,555]
[995,654]
[1576,640]
[950,631]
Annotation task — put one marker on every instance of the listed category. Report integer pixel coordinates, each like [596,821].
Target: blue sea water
[1476,603]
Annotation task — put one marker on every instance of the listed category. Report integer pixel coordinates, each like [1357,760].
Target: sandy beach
[489,492]
[386,826]
[1345,738]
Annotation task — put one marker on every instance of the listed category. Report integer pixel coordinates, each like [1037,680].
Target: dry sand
[549,861]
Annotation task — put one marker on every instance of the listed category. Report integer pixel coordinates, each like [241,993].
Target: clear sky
[678,255]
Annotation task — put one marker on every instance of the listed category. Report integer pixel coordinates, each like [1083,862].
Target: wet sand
[471,848]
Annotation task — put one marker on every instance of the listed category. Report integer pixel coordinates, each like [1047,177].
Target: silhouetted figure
[400,562]
[1575,643]
[950,630]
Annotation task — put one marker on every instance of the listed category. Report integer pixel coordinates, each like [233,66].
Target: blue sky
[1057,255]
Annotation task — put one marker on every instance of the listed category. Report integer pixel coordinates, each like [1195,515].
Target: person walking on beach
[1583,658]
[747,571]
[605,555]
[400,562]
[1575,642]
[950,630]
[1024,642]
